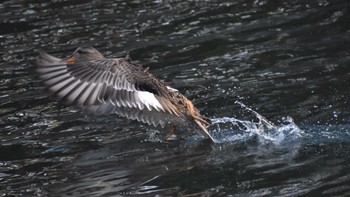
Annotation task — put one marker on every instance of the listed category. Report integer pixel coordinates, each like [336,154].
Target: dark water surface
[289,61]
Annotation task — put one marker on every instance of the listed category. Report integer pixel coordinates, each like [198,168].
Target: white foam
[265,130]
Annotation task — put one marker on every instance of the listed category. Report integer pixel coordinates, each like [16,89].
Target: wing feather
[73,95]
[96,82]
[155,118]
[67,89]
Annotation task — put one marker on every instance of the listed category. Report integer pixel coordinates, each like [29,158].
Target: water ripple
[282,59]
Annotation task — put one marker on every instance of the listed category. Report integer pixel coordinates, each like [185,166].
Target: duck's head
[84,54]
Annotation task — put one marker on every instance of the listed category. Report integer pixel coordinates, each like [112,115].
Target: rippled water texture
[274,76]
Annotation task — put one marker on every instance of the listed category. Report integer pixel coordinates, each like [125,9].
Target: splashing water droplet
[265,130]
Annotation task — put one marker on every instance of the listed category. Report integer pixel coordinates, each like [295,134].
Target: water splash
[263,129]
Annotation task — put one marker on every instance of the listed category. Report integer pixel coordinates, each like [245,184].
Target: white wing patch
[149,100]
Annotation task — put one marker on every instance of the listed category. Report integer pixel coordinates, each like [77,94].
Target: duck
[103,85]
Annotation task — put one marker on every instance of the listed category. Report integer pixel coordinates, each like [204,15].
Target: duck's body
[105,85]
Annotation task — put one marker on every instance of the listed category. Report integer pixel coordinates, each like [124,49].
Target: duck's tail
[203,130]
[202,122]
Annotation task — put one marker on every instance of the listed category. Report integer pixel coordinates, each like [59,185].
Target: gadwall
[116,85]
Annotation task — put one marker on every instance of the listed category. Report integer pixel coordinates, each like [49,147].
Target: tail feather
[202,120]
[204,130]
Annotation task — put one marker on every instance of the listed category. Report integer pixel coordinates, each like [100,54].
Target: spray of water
[263,129]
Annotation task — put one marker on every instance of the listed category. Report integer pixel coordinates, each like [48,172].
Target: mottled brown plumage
[105,85]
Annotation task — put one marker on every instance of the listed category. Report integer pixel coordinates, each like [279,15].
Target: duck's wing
[107,80]
[155,118]
[45,59]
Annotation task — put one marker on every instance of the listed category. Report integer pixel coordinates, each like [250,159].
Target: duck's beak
[70,59]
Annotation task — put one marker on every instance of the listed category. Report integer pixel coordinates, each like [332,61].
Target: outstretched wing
[153,117]
[98,82]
